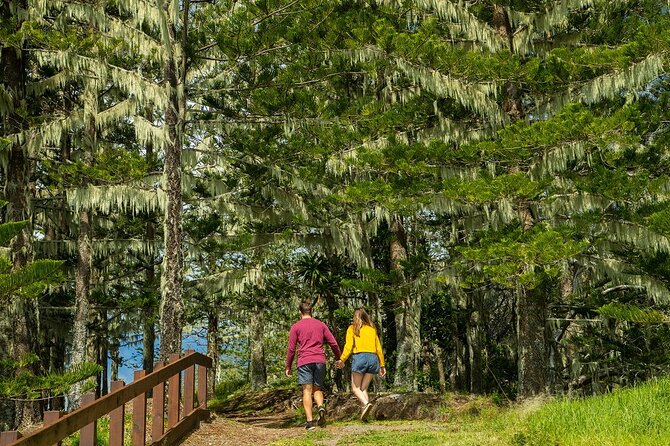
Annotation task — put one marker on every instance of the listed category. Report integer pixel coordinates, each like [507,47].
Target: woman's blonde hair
[361,318]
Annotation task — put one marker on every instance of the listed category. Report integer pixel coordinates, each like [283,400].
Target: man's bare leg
[318,396]
[307,400]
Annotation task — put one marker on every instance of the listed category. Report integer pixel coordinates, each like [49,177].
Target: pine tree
[436,88]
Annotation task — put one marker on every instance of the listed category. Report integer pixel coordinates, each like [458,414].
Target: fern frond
[632,313]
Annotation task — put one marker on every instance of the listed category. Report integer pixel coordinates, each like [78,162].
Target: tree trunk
[558,330]
[100,350]
[426,368]
[258,372]
[531,313]
[407,316]
[150,285]
[457,375]
[332,306]
[212,348]
[81,313]
[376,311]
[84,247]
[54,337]
[441,373]
[376,314]
[474,335]
[531,310]
[512,102]
[335,375]
[149,310]
[475,338]
[148,341]
[7,408]
[531,307]
[172,305]
[17,191]
[57,365]
[115,357]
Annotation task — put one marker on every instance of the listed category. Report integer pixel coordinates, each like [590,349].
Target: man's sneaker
[310,425]
[366,411]
[321,421]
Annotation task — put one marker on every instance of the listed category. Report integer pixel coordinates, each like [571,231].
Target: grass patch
[636,416]
[460,406]
[311,438]
[629,417]
[423,437]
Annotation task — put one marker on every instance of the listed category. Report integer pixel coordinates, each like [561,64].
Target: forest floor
[276,417]
[264,431]
[221,430]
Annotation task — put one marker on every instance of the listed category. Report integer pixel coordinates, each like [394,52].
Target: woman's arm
[348,345]
[380,355]
[378,348]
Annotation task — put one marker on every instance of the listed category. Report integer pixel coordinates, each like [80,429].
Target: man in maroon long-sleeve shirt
[310,334]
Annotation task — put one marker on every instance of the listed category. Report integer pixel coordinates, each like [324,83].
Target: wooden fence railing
[58,426]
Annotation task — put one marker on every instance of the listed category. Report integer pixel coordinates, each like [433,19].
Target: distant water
[131,352]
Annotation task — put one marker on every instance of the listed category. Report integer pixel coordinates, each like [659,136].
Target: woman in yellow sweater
[367,359]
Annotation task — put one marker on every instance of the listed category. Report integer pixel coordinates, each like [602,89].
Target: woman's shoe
[366,411]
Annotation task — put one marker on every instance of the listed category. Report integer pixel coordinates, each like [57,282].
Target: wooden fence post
[9,437]
[84,419]
[139,432]
[202,387]
[116,419]
[87,433]
[173,395]
[157,408]
[189,387]
[50,417]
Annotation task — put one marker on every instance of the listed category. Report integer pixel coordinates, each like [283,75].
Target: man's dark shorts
[313,373]
[365,363]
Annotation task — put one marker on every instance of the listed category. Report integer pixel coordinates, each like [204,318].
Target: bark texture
[257,369]
[407,316]
[172,305]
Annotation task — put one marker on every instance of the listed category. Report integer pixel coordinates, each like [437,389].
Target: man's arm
[331,341]
[290,353]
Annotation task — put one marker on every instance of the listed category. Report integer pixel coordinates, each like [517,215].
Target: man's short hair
[305,307]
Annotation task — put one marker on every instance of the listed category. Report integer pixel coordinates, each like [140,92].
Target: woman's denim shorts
[365,363]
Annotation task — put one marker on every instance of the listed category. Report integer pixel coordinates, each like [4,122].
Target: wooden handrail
[83,416]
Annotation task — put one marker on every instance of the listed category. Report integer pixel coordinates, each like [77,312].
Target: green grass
[311,438]
[490,427]
[639,416]
[415,433]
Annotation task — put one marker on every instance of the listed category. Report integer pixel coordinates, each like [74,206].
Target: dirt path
[265,417]
[226,431]
[259,431]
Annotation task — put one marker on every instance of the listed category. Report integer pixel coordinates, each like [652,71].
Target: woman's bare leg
[365,383]
[356,382]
